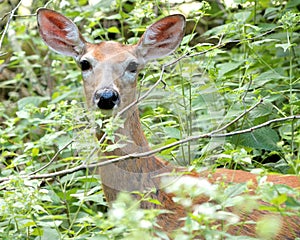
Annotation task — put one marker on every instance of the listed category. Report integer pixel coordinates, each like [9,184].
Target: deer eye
[132,67]
[85,65]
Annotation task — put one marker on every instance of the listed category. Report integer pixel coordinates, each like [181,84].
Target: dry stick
[251,129]
[55,156]
[148,153]
[197,137]
[192,138]
[219,45]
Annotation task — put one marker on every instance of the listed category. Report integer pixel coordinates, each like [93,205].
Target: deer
[110,73]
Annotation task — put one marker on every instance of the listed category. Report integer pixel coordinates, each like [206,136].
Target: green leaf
[172,132]
[225,68]
[263,138]
[169,150]
[292,203]
[23,114]
[155,201]
[33,100]
[35,152]
[235,190]
[242,16]
[266,77]
[50,233]
[51,138]
[113,30]
[268,227]
[279,199]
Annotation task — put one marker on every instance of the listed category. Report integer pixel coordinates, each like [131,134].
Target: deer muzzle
[106,99]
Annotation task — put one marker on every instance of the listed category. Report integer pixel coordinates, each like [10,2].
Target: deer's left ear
[162,37]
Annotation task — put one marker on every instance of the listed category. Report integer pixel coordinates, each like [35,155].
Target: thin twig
[220,44]
[53,158]
[238,117]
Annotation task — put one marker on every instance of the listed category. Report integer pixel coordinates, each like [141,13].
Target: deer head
[110,69]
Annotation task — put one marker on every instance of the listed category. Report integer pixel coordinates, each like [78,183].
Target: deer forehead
[110,52]
[109,61]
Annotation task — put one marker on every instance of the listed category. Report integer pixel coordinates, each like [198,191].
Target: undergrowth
[239,69]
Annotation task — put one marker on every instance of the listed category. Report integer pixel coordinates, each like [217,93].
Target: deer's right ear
[162,37]
[60,33]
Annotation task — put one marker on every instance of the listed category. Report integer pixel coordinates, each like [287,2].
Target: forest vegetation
[227,98]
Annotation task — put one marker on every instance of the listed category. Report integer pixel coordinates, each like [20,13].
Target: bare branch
[194,138]
[152,152]
[248,130]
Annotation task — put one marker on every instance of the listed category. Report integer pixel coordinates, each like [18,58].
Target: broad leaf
[264,138]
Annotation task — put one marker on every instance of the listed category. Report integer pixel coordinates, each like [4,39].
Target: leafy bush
[233,88]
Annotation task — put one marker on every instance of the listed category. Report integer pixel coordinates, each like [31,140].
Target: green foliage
[236,56]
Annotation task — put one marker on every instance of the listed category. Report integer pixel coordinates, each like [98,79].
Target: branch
[152,152]
[248,130]
[220,44]
[192,138]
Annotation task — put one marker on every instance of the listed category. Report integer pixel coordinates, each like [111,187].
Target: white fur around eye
[129,76]
[130,72]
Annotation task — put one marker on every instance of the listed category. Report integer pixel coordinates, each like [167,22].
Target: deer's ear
[162,37]
[59,33]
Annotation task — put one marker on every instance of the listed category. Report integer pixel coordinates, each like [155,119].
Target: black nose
[106,99]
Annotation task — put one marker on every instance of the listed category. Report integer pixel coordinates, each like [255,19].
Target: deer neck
[136,141]
[133,174]
[129,136]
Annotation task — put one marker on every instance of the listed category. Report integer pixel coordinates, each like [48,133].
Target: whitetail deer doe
[109,72]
